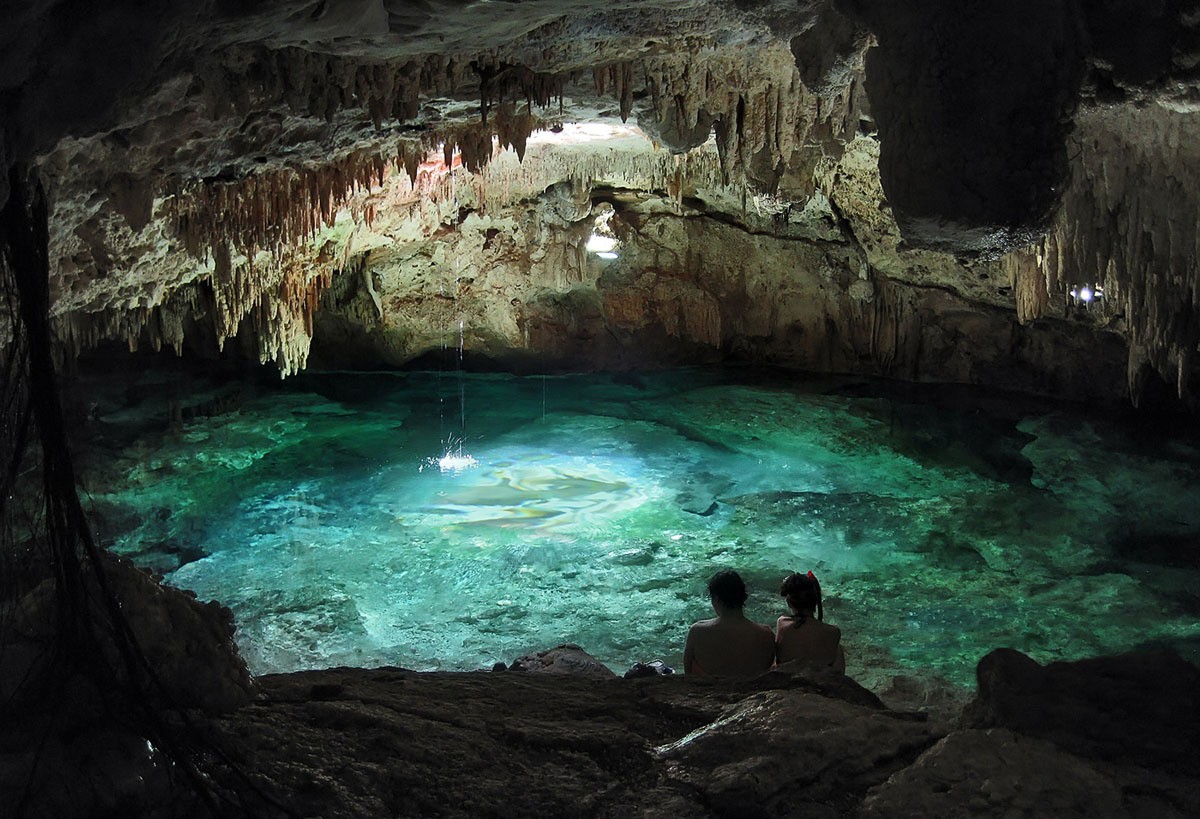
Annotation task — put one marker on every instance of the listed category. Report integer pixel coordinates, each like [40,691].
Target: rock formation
[560,733]
[1001,196]
[229,168]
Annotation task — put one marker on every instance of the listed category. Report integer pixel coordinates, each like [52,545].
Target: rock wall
[210,173]
[1128,233]
[819,280]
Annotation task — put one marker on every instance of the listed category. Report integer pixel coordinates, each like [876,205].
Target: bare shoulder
[704,625]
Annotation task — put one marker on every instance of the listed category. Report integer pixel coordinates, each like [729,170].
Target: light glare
[456,462]
[601,244]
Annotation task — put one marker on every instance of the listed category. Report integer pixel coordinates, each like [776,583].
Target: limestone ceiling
[176,139]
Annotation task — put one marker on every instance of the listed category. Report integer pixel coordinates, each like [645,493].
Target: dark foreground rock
[1103,737]
[1112,737]
[796,742]
[1136,709]
[389,742]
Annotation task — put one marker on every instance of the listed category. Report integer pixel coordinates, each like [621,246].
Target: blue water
[591,509]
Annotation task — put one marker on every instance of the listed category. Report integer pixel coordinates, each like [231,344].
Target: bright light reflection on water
[338,524]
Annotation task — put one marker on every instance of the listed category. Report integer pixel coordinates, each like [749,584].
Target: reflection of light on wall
[570,133]
[601,244]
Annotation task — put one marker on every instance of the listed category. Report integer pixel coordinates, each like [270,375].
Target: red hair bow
[812,576]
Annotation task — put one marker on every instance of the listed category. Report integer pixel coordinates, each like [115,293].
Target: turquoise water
[591,509]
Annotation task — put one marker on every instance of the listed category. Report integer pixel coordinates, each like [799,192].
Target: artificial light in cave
[1086,294]
[453,458]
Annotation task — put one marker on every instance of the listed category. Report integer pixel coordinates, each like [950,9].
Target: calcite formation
[248,173]
[929,191]
[1128,234]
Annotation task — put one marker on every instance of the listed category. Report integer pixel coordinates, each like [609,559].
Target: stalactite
[1128,225]
[500,82]
[1028,282]
[274,209]
[250,230]
[321,85]
[618,77]
[892,342]
[761,110]
[506,180]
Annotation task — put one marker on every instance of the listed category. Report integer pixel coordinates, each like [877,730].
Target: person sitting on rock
[728,645]
[800,635]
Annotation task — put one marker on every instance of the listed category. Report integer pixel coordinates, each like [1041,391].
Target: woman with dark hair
[728,645]
[803,635]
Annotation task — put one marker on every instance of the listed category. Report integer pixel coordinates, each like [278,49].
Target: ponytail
[803,594]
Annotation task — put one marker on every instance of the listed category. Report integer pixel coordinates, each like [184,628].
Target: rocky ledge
[1108,737]
[559,734]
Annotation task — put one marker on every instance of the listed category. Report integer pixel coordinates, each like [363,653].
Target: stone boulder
[76,739]
[565,659]
[794,754]
[1138,709]
[994,772]
[188,645]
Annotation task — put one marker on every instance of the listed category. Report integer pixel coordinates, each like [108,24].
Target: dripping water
[462,389]
[441,397]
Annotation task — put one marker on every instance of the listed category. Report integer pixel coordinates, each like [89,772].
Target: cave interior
[218,203]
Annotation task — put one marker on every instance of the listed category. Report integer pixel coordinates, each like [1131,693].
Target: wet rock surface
[793,742]
[562,660]
[350,742]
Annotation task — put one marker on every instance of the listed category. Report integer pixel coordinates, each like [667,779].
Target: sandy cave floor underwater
[592,508]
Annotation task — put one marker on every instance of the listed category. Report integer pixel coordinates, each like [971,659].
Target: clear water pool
[591,509]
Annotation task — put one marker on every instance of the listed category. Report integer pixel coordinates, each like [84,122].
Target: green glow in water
[595,510]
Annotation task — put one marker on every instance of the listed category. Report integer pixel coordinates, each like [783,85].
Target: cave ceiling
[238,165]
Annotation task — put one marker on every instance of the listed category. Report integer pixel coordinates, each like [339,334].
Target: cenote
[592,508]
